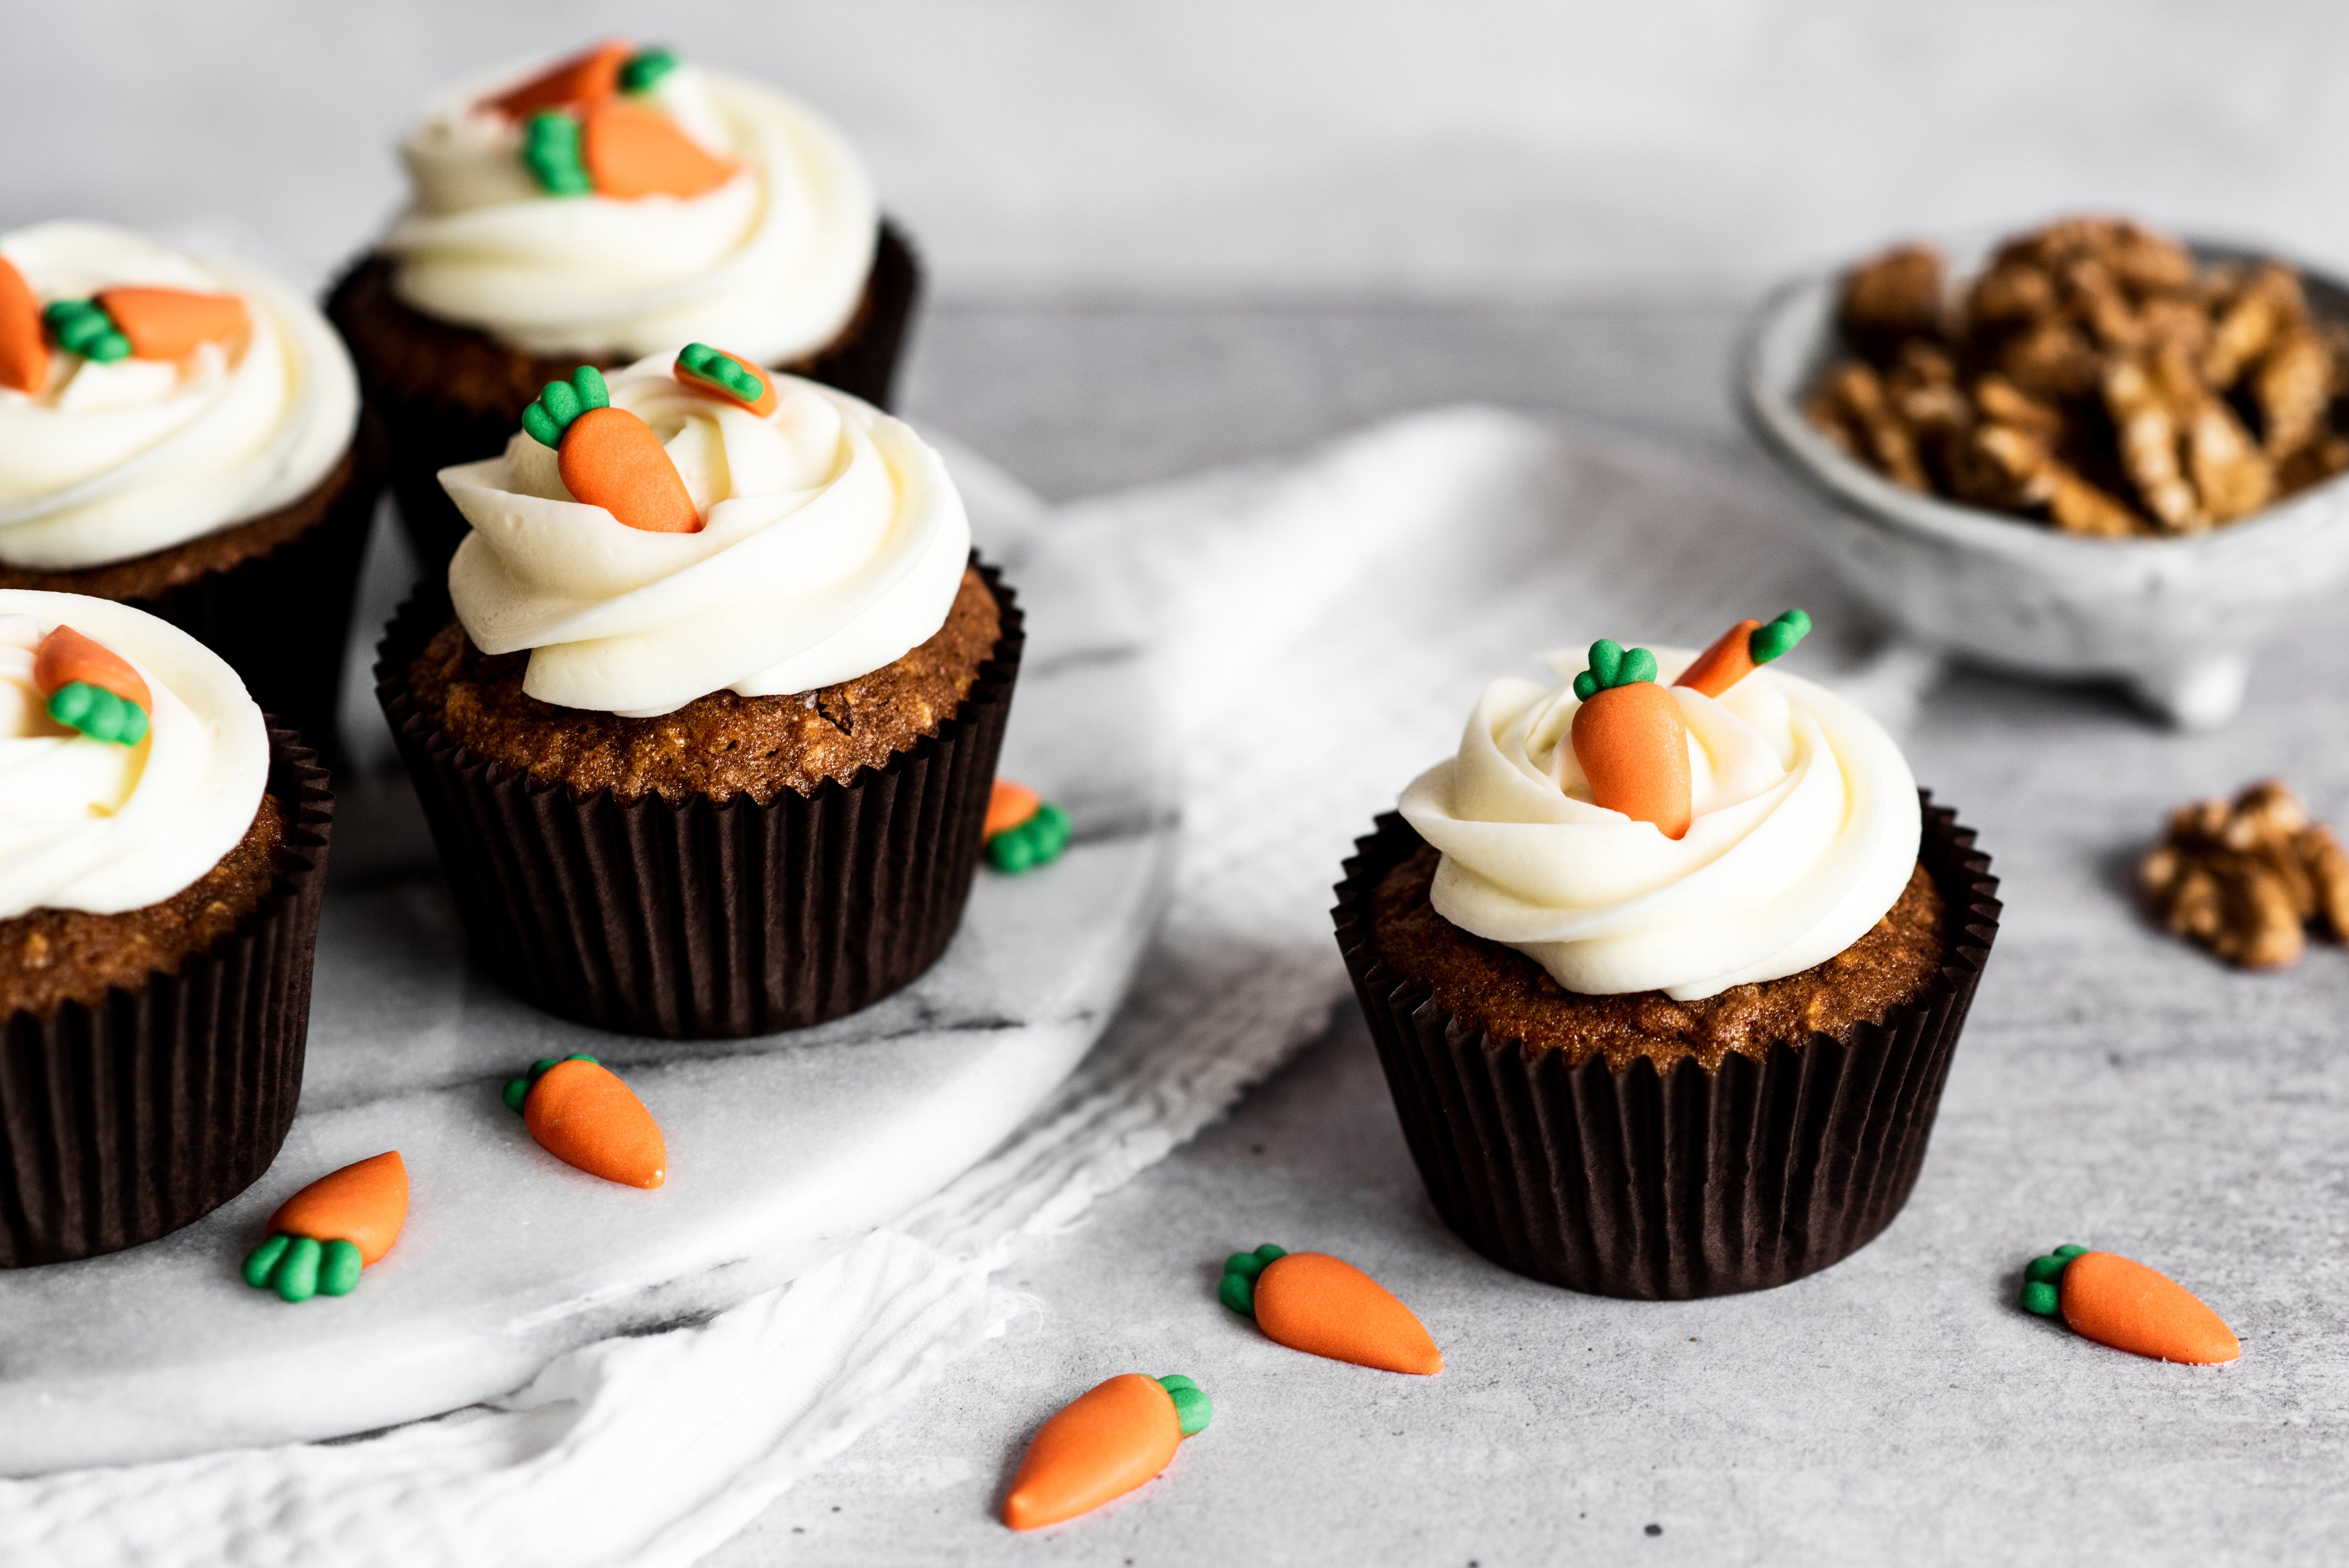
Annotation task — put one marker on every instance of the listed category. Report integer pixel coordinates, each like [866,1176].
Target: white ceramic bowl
[2177,621]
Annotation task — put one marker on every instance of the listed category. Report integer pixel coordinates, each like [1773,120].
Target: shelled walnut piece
[2244,880]
[2094,377]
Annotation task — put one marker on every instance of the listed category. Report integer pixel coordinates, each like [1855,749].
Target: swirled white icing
[833,543]
[1806,831]
[90,825]
[770,265]
[109,462]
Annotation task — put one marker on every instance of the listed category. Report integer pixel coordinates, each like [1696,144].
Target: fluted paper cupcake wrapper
[1686,1182]
[123,1121]
[701,919]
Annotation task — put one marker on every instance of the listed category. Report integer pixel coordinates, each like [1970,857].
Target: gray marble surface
[2113,1088]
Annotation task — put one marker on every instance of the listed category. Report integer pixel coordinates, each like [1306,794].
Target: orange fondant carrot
[165,323]
[584,1116]
[588,78]
[1325,1306]
[2116,1301]
[1739,651]
[65,655]
[1631,739]
[1102,1445]
[610,458]
[24,351]
[736,377]
[633,150]
[364,1204]
[1008,805]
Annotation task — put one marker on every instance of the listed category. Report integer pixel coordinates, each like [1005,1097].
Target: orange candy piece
[762,405]
[1008,805]
[65,655]
[166,323]
[588,78]
[610,458]
[632,150]
[1325,1306]
[582,1114]
[24,351]
[364,1204]
[2116,1301]
[1102,1445]
[1729,661]
[1632,744]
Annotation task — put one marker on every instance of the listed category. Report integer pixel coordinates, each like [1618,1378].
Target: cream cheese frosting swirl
[90,825]
[112,461]
[1806,829]
[833,542]
[771,263]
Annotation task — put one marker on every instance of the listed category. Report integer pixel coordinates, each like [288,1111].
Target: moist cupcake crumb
[1498,988]
[720,745]
[48,956]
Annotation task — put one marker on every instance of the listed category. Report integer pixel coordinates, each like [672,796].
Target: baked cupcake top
[1754,824]
[621,202]
[149,397]
[692,524]
[131,758]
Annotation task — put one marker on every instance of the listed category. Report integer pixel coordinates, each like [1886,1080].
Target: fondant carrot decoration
[1022,831]
[589,76]
[325,1234]
[1325,1306]
[1743,648]
[24,351]
[166,323]
[608,457]
[1630,740]
[81,327]
[631,150]
[731,375]
[1102,1445]
[580,1113]
[2113,1301]
[92,688]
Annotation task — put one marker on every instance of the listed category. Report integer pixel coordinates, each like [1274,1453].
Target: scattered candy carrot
[1102,1445]
[734,377]
[92,688]
[1008,805]
[632,150]
[580,1113]
[608,457]
[1630,740]
[166,323]
[1325,1306]
[82,326]
[24,351]
[2113,1301]
[1744,648]
[586,77]
[1023,830]
[325,1234]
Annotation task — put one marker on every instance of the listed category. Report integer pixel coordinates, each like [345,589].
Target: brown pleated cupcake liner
[702,918]
[432,428]
[1686,1182]
[124,1121]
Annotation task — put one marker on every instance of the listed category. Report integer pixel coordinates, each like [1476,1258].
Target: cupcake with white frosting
[162,855]
[1665,966]
[615,203]
[182,434]
[706,724]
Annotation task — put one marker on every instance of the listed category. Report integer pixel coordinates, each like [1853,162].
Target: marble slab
[781,1149]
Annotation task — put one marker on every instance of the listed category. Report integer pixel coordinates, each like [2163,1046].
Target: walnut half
[2245,878]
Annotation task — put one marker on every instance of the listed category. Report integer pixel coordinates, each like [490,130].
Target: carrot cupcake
[1665,977]
[182,435]
[615,204]
[161,859]
[706,724]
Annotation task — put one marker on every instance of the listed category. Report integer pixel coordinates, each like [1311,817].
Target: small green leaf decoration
[1035,842]
[1192,1409]
[1613,665]
[299,1267]
[1776,638]
[82,326]
[338,1269]
[560,402]
[550,151]
[721,370]
[2041,1277]
[1236,1289]
[517,1090]
[645,69]
[99,713]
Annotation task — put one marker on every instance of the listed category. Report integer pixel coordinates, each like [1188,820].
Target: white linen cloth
[1319,629]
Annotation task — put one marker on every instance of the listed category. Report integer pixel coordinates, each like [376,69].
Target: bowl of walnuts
[2087,452]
